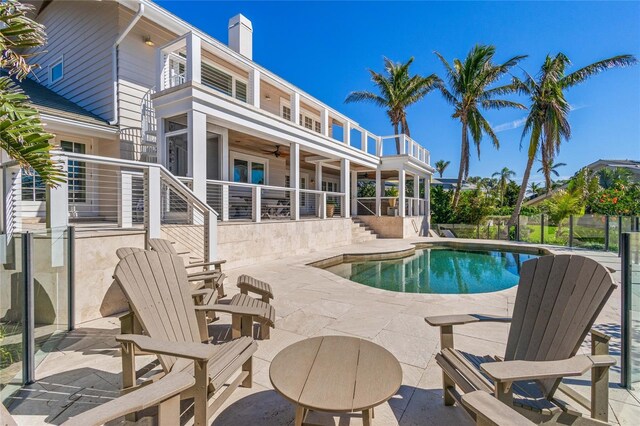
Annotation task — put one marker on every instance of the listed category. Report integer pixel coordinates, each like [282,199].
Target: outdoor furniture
[558,299]
[241,310]
[491,412]
[335,374]
[446,233]
[212,279]
[248,284]
[165,309]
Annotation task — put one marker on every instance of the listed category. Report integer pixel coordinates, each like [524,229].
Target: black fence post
[542,229]
[71,280]
[518,229]
[570,230]
[478,230]
[28,325]
[619,236]
[625,327]
[606,233]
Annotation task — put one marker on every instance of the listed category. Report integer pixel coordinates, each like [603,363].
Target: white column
[416,195]
[403,144]
[254,88]
[365,140]
[379,147]
[57,203]
[295,107]
[427,198]
[161,142]
[194,58]
[346,133]
[160,70]
[256,209]
[197,152]
[402,188]
[224,155]
[354,193]
[294,180]
[345,166]
[322,198]
[379,193]
[153,202]
[318,176]
[324,121]
[125,200]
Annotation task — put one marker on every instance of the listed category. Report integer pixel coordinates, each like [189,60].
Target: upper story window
[56,70]
[286,112]
[223,82]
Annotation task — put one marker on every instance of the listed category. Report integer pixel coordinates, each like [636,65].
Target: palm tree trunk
[513,220]
[395,132]
[463,159]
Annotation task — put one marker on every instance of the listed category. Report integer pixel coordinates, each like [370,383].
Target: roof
[450,183]
[46,101]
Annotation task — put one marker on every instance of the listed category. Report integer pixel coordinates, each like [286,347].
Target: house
[451,183]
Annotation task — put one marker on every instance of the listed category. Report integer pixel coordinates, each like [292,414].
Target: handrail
[370,211]
[175,182]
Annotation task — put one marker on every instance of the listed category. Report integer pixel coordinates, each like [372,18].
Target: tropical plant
[547,123]
[551,168]
[534,189]
[468,92]
[441,211]
[441,166]
[609,177]
[504,177]
[22,135]
[397,90]
[560,206]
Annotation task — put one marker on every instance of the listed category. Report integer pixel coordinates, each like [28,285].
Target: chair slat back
[559,298]
[163,246]
[123,252]
[157,289]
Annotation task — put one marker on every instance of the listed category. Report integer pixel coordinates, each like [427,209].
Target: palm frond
[584,73]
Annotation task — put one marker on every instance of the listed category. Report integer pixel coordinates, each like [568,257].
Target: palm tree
[549,168]
[547,122]
[22,135]
[397,90]
[441,166]
[468,92]
[504,177]
[534,189]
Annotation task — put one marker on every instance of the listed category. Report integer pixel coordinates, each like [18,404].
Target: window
[308,123]
[56,70]
[33,188]
[241,91]
[249,170]
[76,172]
[318,127]
[286,112]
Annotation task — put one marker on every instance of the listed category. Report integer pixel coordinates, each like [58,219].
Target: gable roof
[48,102]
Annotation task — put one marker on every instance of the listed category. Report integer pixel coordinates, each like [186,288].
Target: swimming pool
[439,271]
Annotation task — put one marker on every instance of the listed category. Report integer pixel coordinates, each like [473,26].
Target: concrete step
[361,232]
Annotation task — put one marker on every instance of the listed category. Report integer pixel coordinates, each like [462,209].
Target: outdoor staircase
[361,232]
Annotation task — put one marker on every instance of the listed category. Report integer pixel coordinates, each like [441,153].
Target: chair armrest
[492,412]
[233,309]
[204,293]
[188,350]
[511,371]
[153,394]
[443,320]
[203,264]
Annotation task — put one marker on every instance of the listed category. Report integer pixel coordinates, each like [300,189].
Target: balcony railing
[390,206]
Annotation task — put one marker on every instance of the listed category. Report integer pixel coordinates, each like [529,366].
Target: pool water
[439,271]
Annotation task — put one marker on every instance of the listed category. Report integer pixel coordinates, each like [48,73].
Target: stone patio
[85,369]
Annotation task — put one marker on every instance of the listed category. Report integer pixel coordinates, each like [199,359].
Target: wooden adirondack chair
[558,300]
[165,309]
[210,278]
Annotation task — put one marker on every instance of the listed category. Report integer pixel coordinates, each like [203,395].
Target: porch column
[294,180]
[324,121]
[345,166]
[402,188]
[354,193]
[427,199]
[322,199]
[197,149]
[57,200]
[254,87]
[194,58]
[295,107]
[416,195]
[365,140]
[224,172]
[379,192]
[346,133]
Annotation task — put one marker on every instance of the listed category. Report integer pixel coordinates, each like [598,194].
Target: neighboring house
[451,183]
[632,166]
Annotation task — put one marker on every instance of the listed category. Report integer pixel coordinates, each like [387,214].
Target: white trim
[236,155]
[59,61]
[53,119]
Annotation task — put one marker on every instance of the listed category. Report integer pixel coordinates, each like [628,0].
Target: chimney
[241,35]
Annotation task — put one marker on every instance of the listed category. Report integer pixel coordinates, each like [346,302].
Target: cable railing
[389,206]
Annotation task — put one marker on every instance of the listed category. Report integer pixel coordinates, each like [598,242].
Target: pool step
[360,232]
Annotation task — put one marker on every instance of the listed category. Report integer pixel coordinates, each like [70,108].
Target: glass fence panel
[631,312]
[50,289]
[529,226]
[11,311]
[589,231]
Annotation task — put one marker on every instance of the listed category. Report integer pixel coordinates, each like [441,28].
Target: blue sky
[326,48]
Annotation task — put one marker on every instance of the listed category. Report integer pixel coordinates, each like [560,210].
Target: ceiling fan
[276,153]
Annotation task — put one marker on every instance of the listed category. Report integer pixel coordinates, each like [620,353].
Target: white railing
[252,202]
[415,206]
[173,72]
[109,193]
[402,145]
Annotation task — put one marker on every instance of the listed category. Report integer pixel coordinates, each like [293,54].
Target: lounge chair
[446,233]
[152,283]
[241,307]
[212,278]
[558,300]
[491,412]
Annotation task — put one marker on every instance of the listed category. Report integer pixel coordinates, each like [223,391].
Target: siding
[137,64]
[82,32]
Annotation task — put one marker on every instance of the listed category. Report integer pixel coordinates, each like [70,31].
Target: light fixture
[148,41]
[267,97]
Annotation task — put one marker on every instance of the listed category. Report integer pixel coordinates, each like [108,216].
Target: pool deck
[85,370]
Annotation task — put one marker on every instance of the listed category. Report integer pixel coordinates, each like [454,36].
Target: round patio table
[335,374]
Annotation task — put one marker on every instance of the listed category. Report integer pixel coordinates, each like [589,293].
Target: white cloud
[510,125]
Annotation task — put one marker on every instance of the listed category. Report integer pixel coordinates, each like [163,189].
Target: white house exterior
[146,87]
